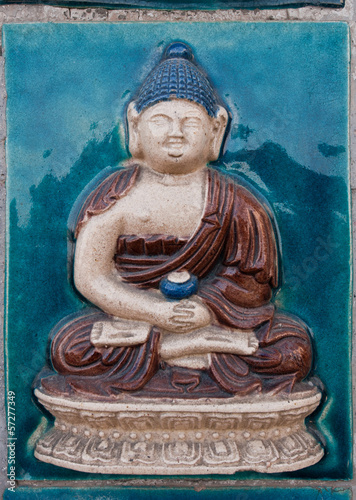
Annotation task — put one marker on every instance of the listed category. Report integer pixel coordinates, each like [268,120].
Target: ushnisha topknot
[177,77]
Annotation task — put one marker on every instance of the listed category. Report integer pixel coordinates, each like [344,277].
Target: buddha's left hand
[189,314]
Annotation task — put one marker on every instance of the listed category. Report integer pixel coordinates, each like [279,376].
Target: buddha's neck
[152,176]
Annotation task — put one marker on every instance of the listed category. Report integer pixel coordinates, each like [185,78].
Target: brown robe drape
[233,253]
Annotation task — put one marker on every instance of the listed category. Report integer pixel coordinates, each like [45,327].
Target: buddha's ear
[134,139]
[219,127]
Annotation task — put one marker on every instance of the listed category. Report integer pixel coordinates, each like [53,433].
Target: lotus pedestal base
[202,436]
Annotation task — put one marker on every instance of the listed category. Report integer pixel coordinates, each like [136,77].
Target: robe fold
[233,252]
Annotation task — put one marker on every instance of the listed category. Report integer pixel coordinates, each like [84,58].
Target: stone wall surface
[48,14]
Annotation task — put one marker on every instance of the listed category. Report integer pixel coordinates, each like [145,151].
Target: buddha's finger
[182,324]
[184,313]
[184,304]
[183,328]
[178,320]
[180,317]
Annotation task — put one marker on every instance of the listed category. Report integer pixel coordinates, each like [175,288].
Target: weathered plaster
[42,13]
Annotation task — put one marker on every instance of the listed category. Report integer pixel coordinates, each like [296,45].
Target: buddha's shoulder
[115,183]
[246,196]
[102,197]
[117,180]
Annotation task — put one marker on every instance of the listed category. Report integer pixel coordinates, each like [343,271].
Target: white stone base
[203,436]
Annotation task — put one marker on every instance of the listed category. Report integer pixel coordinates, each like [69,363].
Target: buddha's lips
[175,154]
[175,147]
[175,142]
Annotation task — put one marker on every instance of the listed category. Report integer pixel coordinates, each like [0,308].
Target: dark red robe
[234,254]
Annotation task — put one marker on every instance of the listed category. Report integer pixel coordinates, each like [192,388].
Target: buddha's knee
[71,351]
[285,348]
[294,345]
[296,356]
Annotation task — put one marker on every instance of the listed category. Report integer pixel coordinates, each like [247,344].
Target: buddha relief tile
[285,86]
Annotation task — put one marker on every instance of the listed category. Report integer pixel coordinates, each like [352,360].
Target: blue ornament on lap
[179,285]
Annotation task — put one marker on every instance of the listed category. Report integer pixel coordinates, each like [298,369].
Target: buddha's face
[175,137]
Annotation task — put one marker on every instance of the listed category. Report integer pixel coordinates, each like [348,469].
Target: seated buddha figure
[167,217]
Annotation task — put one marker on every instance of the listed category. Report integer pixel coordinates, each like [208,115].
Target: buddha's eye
[192,122]
[159,120]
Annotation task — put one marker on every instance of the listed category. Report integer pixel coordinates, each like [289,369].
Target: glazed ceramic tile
[280,91]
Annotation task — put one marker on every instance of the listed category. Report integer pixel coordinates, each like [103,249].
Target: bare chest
[160,209]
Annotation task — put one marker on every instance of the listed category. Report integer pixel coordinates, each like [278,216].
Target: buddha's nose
[176,128]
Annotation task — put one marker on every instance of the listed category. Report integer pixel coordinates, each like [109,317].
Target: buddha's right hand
[184,316]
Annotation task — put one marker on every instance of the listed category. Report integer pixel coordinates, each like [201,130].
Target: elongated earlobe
[132,121]
[219,127]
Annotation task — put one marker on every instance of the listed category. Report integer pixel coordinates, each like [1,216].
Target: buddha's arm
[97,279]
[95,275]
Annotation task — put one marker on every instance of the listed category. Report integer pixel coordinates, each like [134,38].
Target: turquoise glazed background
[286,85]
[178,494]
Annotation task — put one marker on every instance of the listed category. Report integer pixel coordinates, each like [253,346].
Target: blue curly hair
[177,77]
